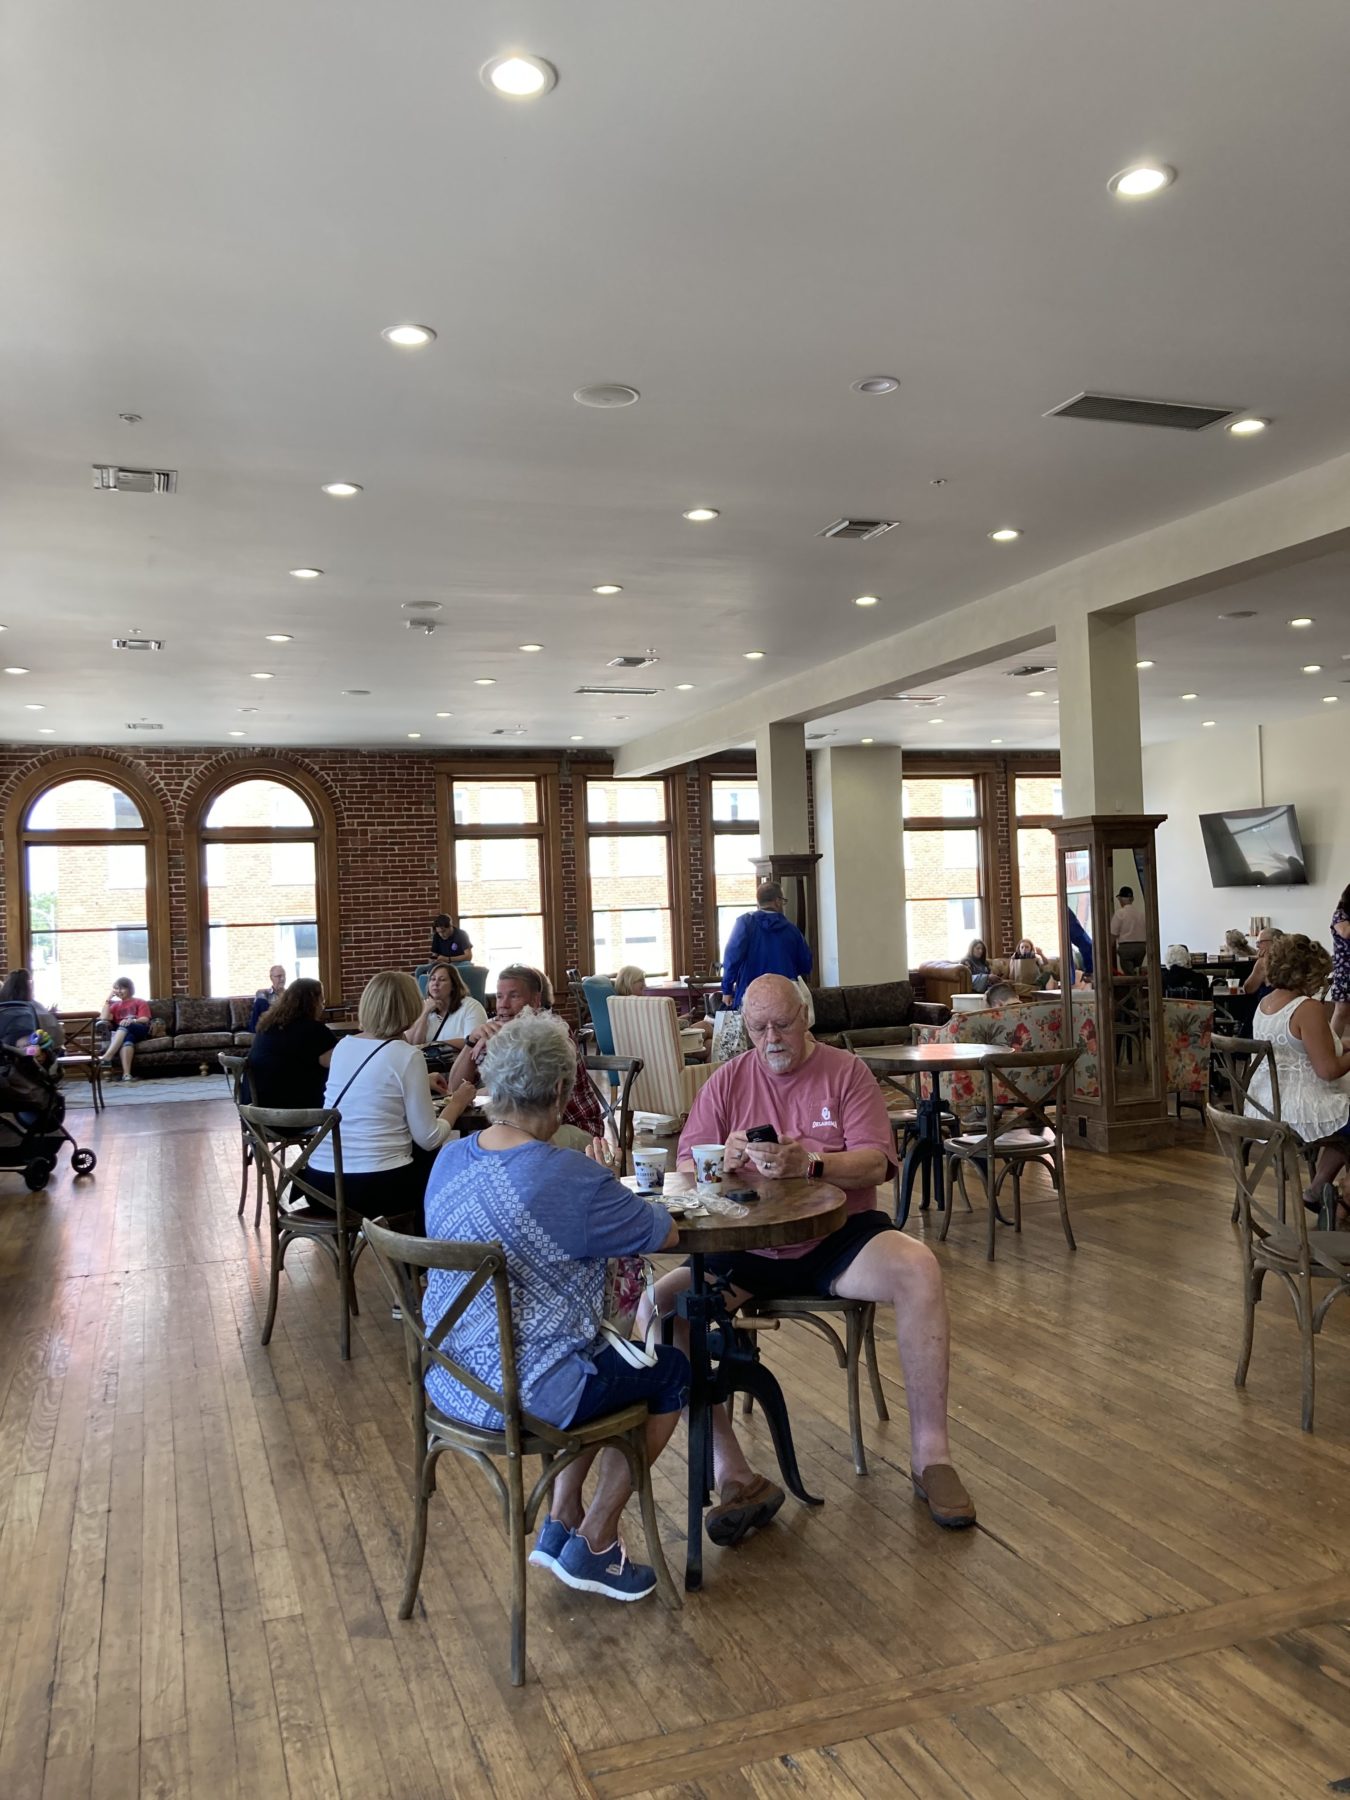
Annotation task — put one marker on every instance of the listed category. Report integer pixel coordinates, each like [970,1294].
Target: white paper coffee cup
[650,1168]
[708,1162]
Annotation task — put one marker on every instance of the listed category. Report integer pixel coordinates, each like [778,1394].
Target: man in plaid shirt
[522,989]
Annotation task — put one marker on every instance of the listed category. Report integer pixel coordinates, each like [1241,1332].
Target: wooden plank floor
[201,1540]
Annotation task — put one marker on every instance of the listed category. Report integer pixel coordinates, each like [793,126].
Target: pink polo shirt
[831,1103]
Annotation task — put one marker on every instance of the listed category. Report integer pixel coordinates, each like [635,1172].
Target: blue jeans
[616,1384]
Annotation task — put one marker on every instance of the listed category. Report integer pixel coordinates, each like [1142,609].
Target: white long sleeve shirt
[385,1111]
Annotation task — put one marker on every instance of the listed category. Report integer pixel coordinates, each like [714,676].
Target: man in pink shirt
[831,1122]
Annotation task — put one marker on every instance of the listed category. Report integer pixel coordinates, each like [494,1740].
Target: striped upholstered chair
[648,1027]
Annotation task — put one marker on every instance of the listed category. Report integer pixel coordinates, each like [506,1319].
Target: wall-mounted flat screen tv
[1258,846]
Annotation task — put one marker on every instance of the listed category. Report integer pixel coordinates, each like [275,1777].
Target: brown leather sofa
[883,1012]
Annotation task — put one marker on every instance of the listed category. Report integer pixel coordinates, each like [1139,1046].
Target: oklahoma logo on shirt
[826,1119]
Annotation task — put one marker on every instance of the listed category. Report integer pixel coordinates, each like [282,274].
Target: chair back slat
[647,1027]
[234,1067]
[1240,1059]
[277,1130]
[999,1065]
[1251,1147]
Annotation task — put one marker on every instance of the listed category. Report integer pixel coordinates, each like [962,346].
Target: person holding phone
[829,1123]
[130,1020]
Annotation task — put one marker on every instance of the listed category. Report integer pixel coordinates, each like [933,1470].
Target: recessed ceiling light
[607,587]
[1247,427]
[408,337]
[485,681]
[876,384]
[279,637]
[246,709]
[422,606]
[867,740]
[34,706]
[15,670]
[306,574]
[1208,724]
[4,627]
[1145,664]
[701,514]
[1190,696]
[1006,534]
[754,655]
[1330,699]
[531,648]
[46,731]
[1142,179]
[414,734]
[234,734]
[1302,624]
[445,715]
[865,600]
[518,76]
[341,490]
[996,740]
[606,396]
[1035,693]
[1312,668]
[262,675]
[576,738]
[683,687]
[937,721]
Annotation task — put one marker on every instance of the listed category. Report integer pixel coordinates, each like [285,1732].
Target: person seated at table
[631,982]
[832,1126]
[1003,993]
[558,1215]
[1258,982]
[522,989]
[21,1016]
[130,1020]
[1179,980]
[1309,1062]
[268,996]
[449,942]
[389,1127]
[450,1014]
[976,959]
[288,1059]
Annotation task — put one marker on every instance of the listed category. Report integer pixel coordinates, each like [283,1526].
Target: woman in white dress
[1309,1060]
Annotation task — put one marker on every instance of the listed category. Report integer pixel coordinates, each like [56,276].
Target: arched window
[263,854]
[89,858]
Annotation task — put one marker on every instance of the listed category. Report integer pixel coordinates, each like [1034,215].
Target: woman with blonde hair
[390,1130]
[630,981]
[1309,1061]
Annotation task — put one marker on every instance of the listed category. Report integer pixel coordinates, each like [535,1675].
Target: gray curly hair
[526,1064]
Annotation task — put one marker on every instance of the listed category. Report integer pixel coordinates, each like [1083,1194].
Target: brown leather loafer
[743,1508]
[945,1493]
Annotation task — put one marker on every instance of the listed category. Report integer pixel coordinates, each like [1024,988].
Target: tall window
[944,888]
[734,805]
[497,871]
[628,841]
[1037,799]
[259,840]
[85,852]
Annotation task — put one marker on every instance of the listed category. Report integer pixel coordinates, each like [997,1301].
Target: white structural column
[1100,757]
[780,763]
[861,873]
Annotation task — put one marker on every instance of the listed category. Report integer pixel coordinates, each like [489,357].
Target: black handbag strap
[361,1065]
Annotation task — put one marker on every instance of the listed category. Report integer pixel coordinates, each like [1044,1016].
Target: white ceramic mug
[650,1168]
[708,1162]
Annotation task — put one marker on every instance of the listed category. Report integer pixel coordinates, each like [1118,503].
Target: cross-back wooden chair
[402,1261]
[1239,1062]
[1007,1150]
[234,1068]
[297,1211]
[616,1097]
[1272,1246]
[859,1340]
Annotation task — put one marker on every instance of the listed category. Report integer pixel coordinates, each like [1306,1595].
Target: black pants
[393,1194]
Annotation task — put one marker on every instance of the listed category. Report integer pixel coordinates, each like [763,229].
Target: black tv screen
[1258,846]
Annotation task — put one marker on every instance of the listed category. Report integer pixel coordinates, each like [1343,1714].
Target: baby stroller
[32,1114]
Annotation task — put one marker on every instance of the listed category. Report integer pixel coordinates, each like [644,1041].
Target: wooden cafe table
[722,1358]
[925,1153]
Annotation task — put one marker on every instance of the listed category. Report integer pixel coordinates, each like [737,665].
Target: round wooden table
[722,1359]
[925,1154]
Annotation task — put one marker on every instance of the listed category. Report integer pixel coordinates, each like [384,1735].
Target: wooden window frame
[1018,770]
[982,772]
[547,829]
[674,828]
[322,834]
[712,830]
[153,834]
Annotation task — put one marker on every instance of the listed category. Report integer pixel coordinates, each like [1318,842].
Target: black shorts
[787,1277]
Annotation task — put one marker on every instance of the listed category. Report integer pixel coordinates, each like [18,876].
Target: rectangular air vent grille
[115,480]
[1119,409]
[859,529]
[143,725]
[138,643]
[619,693]
[632,662]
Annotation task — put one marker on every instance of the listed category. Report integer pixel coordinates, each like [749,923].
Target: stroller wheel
[83,1162]
[37,1174]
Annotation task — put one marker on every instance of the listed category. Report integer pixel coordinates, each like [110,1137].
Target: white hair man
[831,1122]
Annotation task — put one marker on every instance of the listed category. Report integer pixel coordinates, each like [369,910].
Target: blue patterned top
[558,1216]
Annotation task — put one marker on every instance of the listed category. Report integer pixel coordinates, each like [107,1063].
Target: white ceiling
[1240,670]
[740,210]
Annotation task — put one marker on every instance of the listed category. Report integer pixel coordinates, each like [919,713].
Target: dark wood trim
[707,773]
[327,885]
[676,864]
[154,835]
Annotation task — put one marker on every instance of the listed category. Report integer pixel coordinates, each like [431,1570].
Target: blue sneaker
[549,1544]
[606,1572]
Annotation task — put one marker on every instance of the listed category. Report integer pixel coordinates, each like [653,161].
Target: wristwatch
[815,1166]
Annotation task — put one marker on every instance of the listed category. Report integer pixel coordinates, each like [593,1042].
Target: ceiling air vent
[138,643]
[644,661]
[859,529]
[507,731]
[114,480]
[620,693]
[1118,409]
[142,725]
[1024,671]
[919,699]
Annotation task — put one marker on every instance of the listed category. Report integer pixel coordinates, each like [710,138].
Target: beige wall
[861,872]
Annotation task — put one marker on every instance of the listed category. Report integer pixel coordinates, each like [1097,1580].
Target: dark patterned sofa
[884,1012]
[187,1033]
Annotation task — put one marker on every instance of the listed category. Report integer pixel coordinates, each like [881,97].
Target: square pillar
[861,878]
[780,765]
[1101,762]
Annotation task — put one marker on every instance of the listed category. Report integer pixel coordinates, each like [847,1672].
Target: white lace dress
[1313,1107]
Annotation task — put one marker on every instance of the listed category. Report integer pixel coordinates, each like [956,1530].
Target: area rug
[144,1093]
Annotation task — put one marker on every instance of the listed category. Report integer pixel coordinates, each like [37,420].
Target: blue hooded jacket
[763,943]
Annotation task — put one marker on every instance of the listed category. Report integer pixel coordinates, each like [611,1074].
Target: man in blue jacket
[763,942]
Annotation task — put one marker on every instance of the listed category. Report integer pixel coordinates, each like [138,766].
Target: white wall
[861,873]
[1303,763]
